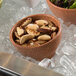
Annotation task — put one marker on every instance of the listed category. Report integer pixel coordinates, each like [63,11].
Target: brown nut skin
[44,31]
[45,27]
[46,50]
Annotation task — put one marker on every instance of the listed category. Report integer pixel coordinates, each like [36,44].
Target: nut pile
[35,33]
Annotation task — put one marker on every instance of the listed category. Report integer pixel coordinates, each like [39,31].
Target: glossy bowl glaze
[46,50]
[68,15]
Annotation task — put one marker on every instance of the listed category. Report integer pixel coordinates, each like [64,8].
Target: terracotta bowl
[68,15]
[46,50]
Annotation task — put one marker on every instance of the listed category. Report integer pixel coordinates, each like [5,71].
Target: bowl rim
[59,7]
[12,30]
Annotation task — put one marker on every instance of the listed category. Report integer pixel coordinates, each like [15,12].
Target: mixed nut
[35,33]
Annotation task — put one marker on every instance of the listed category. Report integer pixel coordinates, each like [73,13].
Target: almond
[17,36]
[29,20]
[44,37]
[26,37]
[20,31]
[41,22]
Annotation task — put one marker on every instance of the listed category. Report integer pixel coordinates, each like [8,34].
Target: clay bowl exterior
[68,15]
[46,50]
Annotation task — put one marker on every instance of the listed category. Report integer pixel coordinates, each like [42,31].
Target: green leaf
[73,6]
[65,1]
